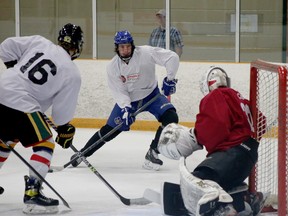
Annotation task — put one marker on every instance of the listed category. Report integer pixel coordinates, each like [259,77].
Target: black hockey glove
[65,135]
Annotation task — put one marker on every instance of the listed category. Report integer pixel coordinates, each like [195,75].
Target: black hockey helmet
[71,37]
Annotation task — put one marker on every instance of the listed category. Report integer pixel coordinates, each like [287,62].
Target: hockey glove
[169,86]
[127,118]
[65,135]
[177,141]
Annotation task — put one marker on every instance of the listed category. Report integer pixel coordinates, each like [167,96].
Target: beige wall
[205,25]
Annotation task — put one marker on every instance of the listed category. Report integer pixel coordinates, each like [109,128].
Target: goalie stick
[126,201]
[37,173]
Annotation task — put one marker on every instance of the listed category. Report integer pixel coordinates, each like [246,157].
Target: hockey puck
[1,190]
[50,171]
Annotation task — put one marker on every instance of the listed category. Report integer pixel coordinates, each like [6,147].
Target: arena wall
[95,100]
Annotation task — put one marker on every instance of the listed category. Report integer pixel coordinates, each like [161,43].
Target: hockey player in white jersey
[132,81]
[224,127]
[40,75]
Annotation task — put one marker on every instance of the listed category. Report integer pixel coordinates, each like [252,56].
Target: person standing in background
[158,35]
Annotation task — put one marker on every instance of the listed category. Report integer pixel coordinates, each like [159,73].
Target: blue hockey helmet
[123,37]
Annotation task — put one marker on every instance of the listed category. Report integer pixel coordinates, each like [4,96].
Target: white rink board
[95,99]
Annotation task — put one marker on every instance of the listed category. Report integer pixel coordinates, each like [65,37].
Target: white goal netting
[268,95]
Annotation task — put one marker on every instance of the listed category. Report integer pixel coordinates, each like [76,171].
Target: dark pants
[157,108]
[229,168]
[161,108]
[28,128]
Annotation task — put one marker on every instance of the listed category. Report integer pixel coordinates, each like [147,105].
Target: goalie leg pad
[197,195]
[200,196]
[224,197]
[171,200]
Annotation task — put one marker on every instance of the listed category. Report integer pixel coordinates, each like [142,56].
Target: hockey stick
[81,154]
[126,201]
[37,173]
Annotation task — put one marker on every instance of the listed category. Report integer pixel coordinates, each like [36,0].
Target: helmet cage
[215,77]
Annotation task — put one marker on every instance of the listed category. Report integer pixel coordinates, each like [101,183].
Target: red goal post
[268,94]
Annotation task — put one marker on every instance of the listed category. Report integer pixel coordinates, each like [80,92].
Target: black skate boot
[36,202]
[256,200]
[76,162]
[152,161]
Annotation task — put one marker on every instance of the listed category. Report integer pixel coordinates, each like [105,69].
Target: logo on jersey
[130,78]
[245,146]
[118,120]
[164,105]
[123,79]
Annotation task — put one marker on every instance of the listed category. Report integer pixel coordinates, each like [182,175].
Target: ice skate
[152,161]
[227,210]
[76,162]
[35,202]
[256,201]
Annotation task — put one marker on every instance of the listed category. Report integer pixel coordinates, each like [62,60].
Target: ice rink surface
[118,161]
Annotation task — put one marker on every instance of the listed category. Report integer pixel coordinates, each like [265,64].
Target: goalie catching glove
[177,140]
[65,135]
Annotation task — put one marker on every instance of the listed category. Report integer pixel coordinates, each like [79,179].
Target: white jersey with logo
[137,79]
[44,76]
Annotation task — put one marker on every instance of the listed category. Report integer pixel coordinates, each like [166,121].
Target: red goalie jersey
[224,120]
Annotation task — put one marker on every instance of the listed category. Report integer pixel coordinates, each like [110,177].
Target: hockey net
[268,95]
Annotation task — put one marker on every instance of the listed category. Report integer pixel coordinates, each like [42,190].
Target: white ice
[118,161]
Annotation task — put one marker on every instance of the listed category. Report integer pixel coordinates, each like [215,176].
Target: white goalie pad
[177,141]
[200,196]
